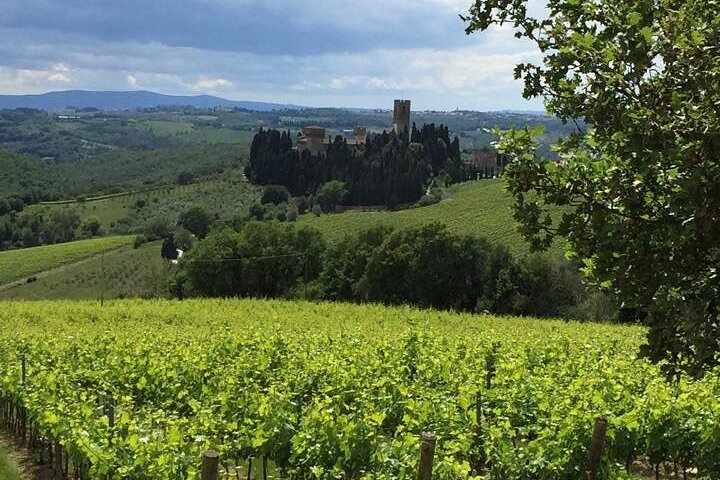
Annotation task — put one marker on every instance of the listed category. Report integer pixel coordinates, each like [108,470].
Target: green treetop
[639,179]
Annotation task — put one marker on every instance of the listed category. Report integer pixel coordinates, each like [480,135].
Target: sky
[320,53]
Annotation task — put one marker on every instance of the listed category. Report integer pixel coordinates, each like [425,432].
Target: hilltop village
[386,168]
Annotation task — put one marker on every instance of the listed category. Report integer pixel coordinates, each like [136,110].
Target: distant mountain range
[57,101]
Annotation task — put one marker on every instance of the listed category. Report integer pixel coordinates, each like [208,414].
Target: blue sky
[312,52]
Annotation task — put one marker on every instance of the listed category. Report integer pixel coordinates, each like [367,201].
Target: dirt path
[22,459]
[59,269]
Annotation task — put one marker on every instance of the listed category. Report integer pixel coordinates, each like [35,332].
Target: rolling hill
[226,196]
[25,176]
[131,100]
[478,208]
[18,264]
[124,272]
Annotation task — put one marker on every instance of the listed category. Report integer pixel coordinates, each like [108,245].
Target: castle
[401,116]
[313,137]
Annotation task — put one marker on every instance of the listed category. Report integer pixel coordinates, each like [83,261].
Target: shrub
[426,200]
[256,212]
[330,195]
[275,194]
[196,220]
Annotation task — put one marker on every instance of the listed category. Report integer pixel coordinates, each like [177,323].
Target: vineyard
[137,390]
[228,196]
[480,208]
[123,273]
[16,264]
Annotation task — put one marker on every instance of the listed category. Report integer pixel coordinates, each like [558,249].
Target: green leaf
[647,35]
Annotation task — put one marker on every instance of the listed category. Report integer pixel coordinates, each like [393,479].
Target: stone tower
[401,116]
[313,139]
[360,133]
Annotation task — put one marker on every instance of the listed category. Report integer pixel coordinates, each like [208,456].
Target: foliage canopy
[641,81]
[261,259]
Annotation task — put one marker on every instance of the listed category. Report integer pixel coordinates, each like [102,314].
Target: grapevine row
[338,391]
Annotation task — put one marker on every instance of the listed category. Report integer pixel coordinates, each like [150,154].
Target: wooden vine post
[21,410]
[596,448]
[490,367]
[23,367]
[427,451]
[210,462]
[57,463]
[110,412]
[479,418]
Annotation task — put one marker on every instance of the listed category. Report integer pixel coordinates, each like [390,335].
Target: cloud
[212,84]
[58,78]
[319,52]
[274,27]
[27,80]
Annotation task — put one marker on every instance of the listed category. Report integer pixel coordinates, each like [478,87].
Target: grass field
[198,133]
[163,127]
[126,272]
[18,264]
[476,208]
[220,135]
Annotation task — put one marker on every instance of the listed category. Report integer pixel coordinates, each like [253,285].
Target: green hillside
[35,180]
[120,170]
[24,176]
[92,134]
[18,264]
[226,197]
[476,208]
[126,272]
[479,208]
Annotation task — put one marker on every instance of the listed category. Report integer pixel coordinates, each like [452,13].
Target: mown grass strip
[8,468]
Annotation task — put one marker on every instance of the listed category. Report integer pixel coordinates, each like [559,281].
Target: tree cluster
[260,259]
[389,169]
[30,229]
[430,266]
[426,266]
